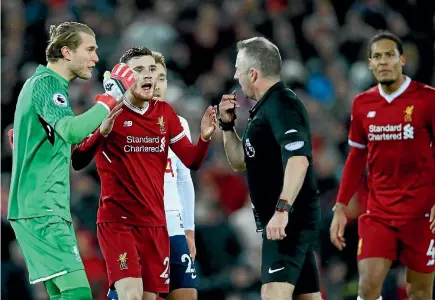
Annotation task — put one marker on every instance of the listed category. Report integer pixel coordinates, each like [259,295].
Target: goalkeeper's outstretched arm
[74,129]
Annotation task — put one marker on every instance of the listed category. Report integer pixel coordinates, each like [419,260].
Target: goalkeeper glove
[116,83]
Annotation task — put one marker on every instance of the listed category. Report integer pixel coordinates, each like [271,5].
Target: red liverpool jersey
[131,162]
[398,130]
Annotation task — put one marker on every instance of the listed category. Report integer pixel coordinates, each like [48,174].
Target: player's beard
[138,95]
[387,82]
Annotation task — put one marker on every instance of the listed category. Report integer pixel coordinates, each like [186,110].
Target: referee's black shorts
[292,259]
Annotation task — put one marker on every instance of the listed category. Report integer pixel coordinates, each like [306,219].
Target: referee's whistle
[234,93]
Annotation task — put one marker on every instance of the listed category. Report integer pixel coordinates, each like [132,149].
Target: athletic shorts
[292,259]
[49,247]
[136,251]
[183,273]
[410,242]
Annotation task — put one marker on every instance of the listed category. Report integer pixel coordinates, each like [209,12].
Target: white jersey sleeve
[171,194]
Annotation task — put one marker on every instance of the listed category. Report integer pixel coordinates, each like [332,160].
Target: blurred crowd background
[323,47]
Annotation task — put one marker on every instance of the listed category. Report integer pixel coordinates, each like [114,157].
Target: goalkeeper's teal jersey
[40,183]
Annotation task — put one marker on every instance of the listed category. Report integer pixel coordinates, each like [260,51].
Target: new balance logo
[128,123]
[408,132]
[371,114]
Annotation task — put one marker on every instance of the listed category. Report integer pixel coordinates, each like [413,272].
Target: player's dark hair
[134,52]
[385,35]
[261,54]
[66,34]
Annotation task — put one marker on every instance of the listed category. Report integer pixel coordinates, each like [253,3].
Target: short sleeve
[176,131]
[356,132]
[50,100]
[289,123]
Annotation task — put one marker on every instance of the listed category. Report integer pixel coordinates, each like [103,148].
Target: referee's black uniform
[278,129]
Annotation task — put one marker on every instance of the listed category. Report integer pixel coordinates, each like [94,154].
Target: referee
[275,151]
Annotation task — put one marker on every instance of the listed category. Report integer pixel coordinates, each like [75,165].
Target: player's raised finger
[114,111]
[113,117]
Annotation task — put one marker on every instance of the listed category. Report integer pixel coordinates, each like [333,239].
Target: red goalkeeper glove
[116,83]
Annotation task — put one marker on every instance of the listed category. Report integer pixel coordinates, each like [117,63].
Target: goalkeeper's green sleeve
[74,129]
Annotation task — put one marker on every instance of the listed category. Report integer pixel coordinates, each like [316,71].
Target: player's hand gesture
[432,219]
[275,230]
[227,108]
[107,125]
[208,123]
[190,238]
[338,225]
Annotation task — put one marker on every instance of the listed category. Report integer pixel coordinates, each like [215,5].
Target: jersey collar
[276,86]
[43,69]
[136,109]
[397,93]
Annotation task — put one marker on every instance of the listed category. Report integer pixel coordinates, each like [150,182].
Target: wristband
[283,205]
[107,100]
[226,126]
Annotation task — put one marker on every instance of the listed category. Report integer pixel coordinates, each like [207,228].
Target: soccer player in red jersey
[392,128]
[131,150]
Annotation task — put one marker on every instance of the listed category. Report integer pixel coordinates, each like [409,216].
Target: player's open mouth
[147,86]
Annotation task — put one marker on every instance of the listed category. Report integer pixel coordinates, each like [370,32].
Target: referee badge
[250,151]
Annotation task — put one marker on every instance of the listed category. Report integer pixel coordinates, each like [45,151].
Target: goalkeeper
[44,129]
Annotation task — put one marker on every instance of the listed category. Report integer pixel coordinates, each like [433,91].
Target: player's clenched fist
[116,83]
[275,229]
[226,108]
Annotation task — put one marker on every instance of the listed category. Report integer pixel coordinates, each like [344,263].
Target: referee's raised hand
[226,107]
[276,228]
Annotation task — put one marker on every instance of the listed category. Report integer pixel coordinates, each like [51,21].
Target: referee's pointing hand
[276,227]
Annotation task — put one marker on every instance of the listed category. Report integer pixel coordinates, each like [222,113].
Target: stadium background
[323,46]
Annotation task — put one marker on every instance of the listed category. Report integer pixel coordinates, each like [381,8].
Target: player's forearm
[294,176]
[234,150]
[84,153]
[192,156]
[187,196]
[352,174]
[74,129]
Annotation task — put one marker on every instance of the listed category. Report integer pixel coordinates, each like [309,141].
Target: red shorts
[410,242]
[134,251]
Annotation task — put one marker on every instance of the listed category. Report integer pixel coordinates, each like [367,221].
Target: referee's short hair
[261,54]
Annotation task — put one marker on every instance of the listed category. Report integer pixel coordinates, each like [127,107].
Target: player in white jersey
[179,207]
[179,200]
